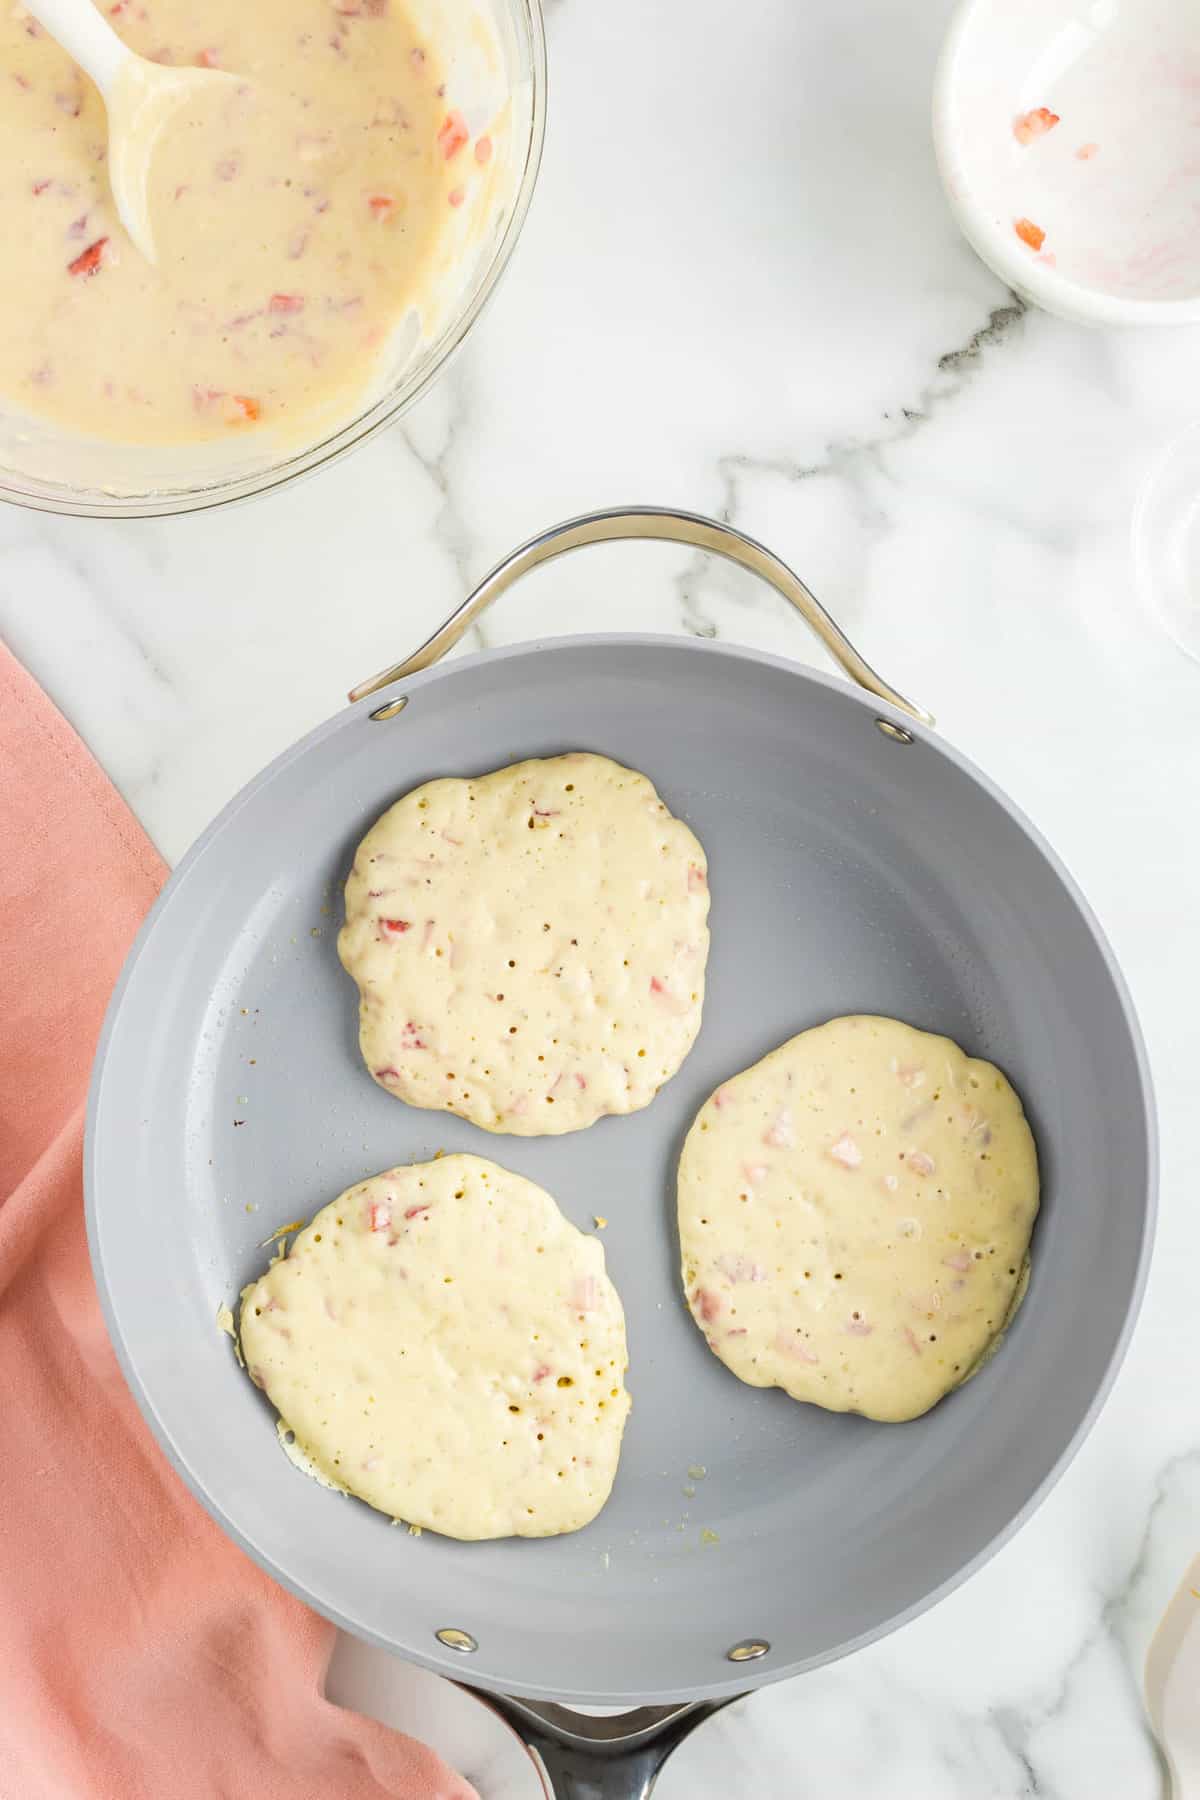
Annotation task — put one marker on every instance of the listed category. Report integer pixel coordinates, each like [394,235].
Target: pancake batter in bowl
[294,216]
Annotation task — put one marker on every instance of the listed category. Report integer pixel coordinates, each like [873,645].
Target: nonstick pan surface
[850,872]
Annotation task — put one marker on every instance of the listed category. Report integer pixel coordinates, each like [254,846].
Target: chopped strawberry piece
[388,1074]
[249,408]
[780,1134]
[707,1304]
[414,1211]
[396,927]
[456,196]
[846,1152]
[286,303]
[381,1215]
[39,187]
[1034,124]
[1029,233]
[88,261]
[382,205]
[452,134]
[1086,152]
[483,150]
[584,1294]
[697,880]
[739,1268]
[541,1372]
[208,59]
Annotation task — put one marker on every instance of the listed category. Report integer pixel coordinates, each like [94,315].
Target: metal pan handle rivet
[454,1639]
[748,1650]
[391,709]
[897,733]
[668,525]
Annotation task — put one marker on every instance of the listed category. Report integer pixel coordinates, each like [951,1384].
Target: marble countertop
[739,291]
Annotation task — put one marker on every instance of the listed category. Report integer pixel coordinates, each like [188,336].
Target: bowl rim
[166,502]
[1053,292]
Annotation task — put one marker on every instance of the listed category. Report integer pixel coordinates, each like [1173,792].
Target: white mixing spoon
[140,98]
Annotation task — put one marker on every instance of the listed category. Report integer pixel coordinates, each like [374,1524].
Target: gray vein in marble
[450,530]
[1012,1731]
[51,539]
[1111,1635]
[1001,321]
[851,460]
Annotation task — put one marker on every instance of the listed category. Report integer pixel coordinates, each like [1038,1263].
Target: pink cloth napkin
[142,1656]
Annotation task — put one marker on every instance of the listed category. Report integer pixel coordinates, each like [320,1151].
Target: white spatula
[140,97]
[1173,1686]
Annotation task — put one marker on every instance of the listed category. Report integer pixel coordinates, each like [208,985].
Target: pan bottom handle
[579,1757]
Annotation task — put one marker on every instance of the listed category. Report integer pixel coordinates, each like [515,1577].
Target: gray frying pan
[857,865]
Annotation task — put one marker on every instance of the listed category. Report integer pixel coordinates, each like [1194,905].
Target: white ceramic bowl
[1068,139]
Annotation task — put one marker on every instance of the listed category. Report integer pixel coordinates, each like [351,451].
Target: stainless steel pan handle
[648,522]
[579,1757]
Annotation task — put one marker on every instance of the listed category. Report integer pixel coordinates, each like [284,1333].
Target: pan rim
[448,1664]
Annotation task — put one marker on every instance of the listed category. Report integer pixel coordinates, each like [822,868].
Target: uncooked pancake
[529,947]
[854,1216]
[445,1345]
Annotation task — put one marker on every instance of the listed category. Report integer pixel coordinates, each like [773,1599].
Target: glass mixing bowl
[494,56]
